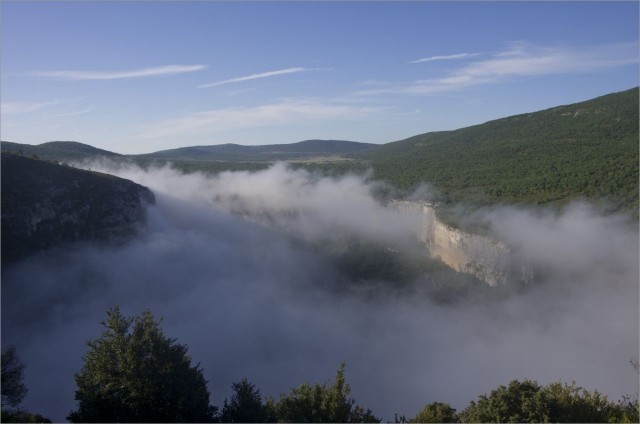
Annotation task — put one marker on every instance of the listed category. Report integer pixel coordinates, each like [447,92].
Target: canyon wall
[489,260]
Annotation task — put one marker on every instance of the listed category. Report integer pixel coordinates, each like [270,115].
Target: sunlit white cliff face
[489,260]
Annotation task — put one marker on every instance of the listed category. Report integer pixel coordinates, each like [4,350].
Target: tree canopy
[133,373]
[436,412]
[527,401]
[13,388]
[319,403]
[245,405]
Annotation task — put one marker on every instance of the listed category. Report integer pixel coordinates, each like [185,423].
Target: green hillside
[272,152]
[587,149]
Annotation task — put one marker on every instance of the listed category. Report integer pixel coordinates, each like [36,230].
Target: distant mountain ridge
[271,152]
[71,150]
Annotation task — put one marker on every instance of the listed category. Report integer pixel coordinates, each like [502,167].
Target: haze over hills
[223,248]
[229,237]
[585,150]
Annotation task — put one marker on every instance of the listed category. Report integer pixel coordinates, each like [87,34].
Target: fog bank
[231,264]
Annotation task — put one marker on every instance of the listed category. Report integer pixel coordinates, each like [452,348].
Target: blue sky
[136,77]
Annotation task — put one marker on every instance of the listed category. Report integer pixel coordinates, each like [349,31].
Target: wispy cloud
[447,57]
[258,76]
[72,113]
[373,83]
[25,107]
[109,75]
[274,114]
[520,60]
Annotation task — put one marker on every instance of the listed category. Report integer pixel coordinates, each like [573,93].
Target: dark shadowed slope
[587,149]
[45,204]
[236,152]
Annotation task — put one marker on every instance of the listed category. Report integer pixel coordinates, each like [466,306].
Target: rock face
[489,260]
[45,205]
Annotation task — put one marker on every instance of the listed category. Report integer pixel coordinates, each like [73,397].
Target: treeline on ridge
[134,373]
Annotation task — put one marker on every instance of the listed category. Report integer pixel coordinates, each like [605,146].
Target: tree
[436,412]
[20,416]
[319,403]
[571,403]
[133,373]
[13,389]
[527,401]
[516,402]
[627,409]
[245,405]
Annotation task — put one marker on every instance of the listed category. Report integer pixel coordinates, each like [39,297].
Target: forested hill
[587,149]
[272,152]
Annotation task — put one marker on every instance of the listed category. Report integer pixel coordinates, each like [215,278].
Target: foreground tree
[627,409]
[436,412]
[13,389]
[527,401]
[133,373]
[319,403]
[517,402]
[245,405]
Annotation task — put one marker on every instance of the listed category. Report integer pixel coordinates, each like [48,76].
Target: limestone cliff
[45,205]
[489,260]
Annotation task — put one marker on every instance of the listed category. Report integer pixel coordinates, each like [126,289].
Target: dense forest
[584,150]
[134,373]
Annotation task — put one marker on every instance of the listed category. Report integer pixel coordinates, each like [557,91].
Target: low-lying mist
[245,269]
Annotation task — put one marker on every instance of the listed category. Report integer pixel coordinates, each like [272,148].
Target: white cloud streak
[521,60]
[72,113]
[288,112]
[256,76]
[24,107]
[447,57]
[110,75]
